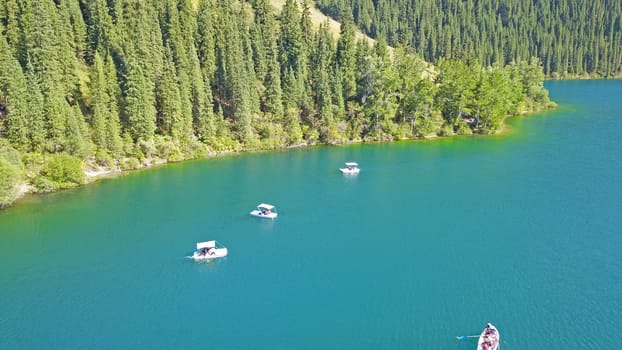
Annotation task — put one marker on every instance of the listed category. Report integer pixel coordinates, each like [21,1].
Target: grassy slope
[317,17]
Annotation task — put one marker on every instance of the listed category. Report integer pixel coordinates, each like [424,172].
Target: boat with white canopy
[351,168]
[264,210]
[209,250]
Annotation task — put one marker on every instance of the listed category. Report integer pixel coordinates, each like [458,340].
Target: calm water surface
[432,240]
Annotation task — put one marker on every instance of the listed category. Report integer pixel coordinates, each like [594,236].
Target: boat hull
[489,339]
[259,214]
[213,253]
[349,171]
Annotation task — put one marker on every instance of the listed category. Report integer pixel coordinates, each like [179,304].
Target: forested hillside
[127,83]
[571,37]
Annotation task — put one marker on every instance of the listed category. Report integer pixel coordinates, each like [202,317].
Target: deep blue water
[431,240]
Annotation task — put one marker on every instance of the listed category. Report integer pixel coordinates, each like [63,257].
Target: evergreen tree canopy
[122,83]
[573,37]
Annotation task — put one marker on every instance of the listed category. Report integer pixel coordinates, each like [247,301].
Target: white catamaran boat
[265,211]
[351,168]
[489,339]
[209,250]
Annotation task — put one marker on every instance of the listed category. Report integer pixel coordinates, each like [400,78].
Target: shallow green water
[432,240]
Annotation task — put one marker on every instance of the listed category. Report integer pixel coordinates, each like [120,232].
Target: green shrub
[44,185]
[403,131]
[463,128]
[33,161]
[103,158]
[311,135]
[63,171]
[431,125]
[164,147]
[176,156]
[194,149]
[446,130]
[130,164]
[10,176]
[147,147]
[223,143]
[11,155]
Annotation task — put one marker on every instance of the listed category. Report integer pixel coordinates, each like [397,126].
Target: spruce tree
[303,74]
[177,33]
[321,68]
[78,26]
[273,100]
[168,100]
[100,103]
[139,102]
[101,31]
[205,120]
[345,56]
[291,38]
[204,38]
[114,143]
[14,107]
[10,20]
[36,118]
[233,77]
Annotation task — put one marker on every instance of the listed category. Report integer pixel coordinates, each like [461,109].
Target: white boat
[209,250]
[351,168]
[489,339]
[264,210]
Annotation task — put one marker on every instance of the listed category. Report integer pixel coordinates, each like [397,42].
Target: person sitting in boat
[203,251]
[211,251]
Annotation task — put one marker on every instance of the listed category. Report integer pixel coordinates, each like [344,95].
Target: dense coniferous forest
[570,37]
[122,84]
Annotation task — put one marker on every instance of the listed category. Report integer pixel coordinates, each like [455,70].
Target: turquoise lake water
[430,241]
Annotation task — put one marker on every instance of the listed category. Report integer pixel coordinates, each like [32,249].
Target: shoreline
[582,77]
[94,174]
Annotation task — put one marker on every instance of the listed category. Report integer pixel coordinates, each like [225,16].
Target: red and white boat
[489,339]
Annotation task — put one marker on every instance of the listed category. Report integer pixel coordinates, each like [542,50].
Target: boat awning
[266,206]
[352,164]
[208,244]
